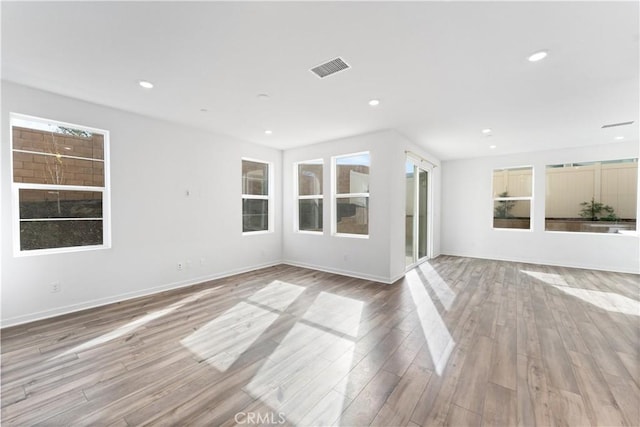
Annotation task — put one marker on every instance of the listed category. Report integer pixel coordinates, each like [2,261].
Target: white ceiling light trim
[374,102]
[538,56]
[145,84]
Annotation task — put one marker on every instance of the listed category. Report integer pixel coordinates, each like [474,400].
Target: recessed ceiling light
[486,131]
[537,56]
[204,110]
[619,138]
[263,96]
[374,102]
[145,84]
[492,147]
[268,132]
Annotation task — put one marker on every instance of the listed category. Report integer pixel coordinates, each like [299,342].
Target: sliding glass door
[417,236]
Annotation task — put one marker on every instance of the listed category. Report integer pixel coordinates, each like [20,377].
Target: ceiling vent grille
[612,125]
[330,67]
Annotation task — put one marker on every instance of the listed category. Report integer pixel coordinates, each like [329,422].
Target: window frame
[297,197]
[597,180]
[335,196]
[17,186]
[514,198]
[268,198]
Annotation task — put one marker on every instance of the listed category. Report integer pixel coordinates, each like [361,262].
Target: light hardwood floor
[457,342]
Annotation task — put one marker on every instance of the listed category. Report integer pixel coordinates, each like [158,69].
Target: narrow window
[512,198]
[351,207]
[60,186]
[592,197]
[309,195]
[256,196]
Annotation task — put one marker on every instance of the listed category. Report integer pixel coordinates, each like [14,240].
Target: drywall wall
[155,224]
[467,212]
[379,257]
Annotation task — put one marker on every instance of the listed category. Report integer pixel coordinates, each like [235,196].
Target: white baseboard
[357,275]
[46,314]
[525,260]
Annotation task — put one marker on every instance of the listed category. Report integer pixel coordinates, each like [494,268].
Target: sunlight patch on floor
[133,325]
[439,286]
[277,295]
[439,339]
[221,341]
[338,313]
[306,376]
[548,278]
[224,339]
[609,301]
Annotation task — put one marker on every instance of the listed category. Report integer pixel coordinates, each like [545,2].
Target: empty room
[320,213]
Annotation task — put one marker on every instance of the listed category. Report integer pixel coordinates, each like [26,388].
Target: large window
[256,196]
[592,197]
[60,186]
[351,207]
[512,197]
[309,195]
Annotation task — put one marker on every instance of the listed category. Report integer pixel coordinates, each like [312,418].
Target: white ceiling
[443,71]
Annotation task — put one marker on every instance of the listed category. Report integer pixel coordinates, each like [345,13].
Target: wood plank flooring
[457,342]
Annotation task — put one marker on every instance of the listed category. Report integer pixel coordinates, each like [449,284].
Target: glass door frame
[420,166]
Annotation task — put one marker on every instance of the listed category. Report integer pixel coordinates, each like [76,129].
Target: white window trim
[515,198]
[335,196]
[63,156]
[17,186]
[593,162]
[297,197]
[268,197]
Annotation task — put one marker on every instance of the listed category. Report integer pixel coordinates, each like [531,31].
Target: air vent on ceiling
[330,67]
[612,125]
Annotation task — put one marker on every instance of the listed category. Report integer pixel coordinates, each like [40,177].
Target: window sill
[353,236]
[630,233]
[36,252]
[316,233]
[256,233]
[512,229]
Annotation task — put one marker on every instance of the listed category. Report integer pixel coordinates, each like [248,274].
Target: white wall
[155,225]
[467,215]
[381,256]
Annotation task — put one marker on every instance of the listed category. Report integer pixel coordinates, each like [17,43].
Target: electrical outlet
[180,266]
[55,287]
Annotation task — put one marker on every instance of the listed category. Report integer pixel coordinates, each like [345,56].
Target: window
[60,186]
[351,207]
[256,196]
[512,196]
[309,194]
[592,197]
